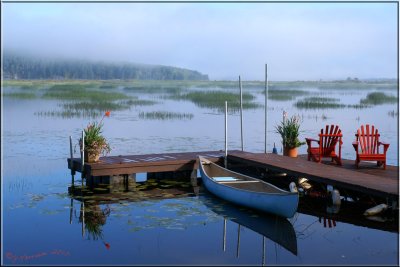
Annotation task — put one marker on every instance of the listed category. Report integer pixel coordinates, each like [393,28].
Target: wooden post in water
[266,106]
[83,155]
[226,135]
[72,161]
[241,112]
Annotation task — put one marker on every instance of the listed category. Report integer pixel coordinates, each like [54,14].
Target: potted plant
[95,142]
[289,130]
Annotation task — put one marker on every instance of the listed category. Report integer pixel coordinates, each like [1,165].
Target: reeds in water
[216,100]
[165,115]
[318,103]
[20,95]
[378,98]
[285,94]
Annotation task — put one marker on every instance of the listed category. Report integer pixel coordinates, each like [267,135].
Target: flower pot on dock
[92,157]
[290,152]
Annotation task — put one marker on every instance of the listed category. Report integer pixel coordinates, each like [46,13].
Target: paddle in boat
[247,191]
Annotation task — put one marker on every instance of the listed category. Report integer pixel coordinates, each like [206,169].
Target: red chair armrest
[385,146]
[309,140]
[355,145]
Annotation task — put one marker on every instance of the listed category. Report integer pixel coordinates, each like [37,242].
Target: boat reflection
[273,227]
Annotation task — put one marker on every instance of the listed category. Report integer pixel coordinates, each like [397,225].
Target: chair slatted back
[329,139]
[368,139]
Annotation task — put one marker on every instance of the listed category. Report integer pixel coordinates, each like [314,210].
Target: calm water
[43,224]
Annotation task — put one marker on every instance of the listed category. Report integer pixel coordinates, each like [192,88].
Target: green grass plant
[69,114]
[165,115]
[284,94]
[216,99]
[319,103]
[378,98]
[80,92]
[20,95]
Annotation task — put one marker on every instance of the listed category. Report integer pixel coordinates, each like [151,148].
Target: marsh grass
[393,113]
[95,106]
[318,103]
[165,115]
[69,114]
[285,94]
[378,98]
[21,95]
[93,109]
[80,92]
[216,100]
[154,89]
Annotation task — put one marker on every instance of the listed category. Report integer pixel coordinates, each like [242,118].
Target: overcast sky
[299,41]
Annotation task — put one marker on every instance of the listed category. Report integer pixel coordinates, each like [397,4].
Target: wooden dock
[368,179]
[121,165]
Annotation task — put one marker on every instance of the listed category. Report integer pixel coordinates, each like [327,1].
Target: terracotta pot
[92,157]
[290,152]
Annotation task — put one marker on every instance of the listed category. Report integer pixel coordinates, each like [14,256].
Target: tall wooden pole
[266,106]
[226,135]
[71,162]
[241,111]
[83,156]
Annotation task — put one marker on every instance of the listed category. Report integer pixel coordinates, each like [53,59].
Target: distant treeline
[20,67]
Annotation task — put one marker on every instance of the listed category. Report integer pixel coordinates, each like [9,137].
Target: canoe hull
[283,204]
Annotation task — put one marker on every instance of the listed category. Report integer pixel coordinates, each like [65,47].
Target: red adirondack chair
[326,145]
[367,146]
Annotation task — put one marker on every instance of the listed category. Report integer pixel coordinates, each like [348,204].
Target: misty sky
[299,41]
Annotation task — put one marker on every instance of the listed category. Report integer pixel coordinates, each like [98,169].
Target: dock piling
[241,112]
[226,135]
[72,161]
[266,106]
[83,156]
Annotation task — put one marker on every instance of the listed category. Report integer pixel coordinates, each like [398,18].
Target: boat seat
[229,180]
[238,182]
[225,179]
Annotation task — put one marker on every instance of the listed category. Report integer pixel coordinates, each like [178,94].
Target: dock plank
[329,174]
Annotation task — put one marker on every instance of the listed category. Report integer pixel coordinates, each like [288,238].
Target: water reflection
[275,228]
[348,212]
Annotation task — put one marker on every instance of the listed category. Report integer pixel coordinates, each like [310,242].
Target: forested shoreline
[23,67]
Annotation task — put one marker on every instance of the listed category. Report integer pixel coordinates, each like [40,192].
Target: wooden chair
[367,146]
[326,145]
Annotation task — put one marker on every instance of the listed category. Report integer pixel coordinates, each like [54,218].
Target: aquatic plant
[164,115]
[95,142]
[284,94]
[318,103]
[81,92]
[289,129]
[20,95]
[216,100]
[378,98]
